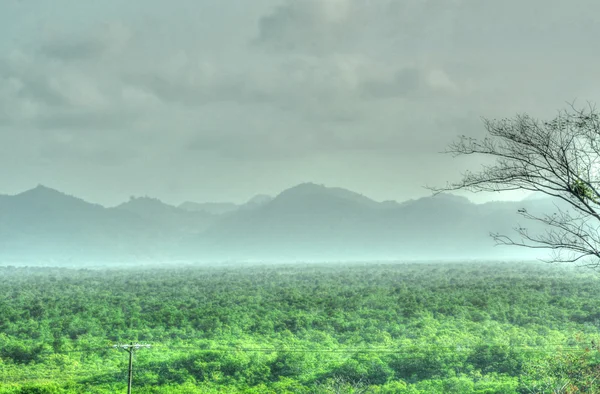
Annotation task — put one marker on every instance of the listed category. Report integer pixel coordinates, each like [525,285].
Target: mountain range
[218,208]
[308,222]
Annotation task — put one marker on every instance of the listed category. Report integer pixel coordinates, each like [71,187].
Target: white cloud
[439,80]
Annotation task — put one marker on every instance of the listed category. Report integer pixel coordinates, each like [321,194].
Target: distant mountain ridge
[168,217]
[219,208]
[216,208]
[305,222]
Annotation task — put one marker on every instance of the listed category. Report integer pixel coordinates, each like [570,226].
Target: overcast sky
[220,100]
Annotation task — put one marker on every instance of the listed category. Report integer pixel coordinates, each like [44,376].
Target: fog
[306,223]
[247,196]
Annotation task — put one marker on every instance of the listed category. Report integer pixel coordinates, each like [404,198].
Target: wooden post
[131,348]
[130,379]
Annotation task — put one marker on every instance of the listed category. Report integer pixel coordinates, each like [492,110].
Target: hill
[171,219]
[219,208]
[215,208]
[43,224]
[305,222]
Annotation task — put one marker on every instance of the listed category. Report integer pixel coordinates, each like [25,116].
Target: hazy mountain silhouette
[294,223]
[219,208]
[536,196]
[168,217]
[315,222]
[215,208]
[43,223]
[256,201]
[305,222]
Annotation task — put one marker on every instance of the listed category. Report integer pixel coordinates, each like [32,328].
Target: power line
[131,348]
[410,348]
[408,353]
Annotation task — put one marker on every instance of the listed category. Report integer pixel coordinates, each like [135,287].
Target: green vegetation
[369,328]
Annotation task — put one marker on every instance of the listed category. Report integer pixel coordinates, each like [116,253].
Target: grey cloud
[309,89]
[322,27]
[73,49]
[39,103]
[311,26]
[84,138]
[279,138]
[26,82]
[88,152]
[262,134]
[534,26]
[389,80]
[91,45]
[36,92]
[85,120]
[5,118]
[38,88]
[263,146]
[438,29]
[404,82]
[177,89]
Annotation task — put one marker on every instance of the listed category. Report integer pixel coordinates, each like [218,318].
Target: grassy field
[358,328]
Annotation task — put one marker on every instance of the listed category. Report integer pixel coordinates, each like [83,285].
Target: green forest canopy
[377,328]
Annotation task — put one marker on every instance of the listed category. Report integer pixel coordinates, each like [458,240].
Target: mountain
[170,218]
[215,208]
[305,222]
[302,217]
[219,208]
[314,222]
[256,201]
[43,223]
[311,190]
[536,196]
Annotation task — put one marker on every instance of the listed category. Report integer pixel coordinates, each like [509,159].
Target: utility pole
[132,347]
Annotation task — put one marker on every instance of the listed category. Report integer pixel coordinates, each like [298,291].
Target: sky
[220,100]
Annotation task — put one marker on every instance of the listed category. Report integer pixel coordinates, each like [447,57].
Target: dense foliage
[363,328]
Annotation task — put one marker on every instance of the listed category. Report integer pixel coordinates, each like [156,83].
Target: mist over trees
[460,328]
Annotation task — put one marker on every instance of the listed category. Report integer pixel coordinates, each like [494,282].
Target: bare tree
[560,158]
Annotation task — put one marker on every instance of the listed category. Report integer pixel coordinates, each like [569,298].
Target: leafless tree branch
[560,158]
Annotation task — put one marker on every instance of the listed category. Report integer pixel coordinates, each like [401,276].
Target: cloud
[322,27]
[215,98]
[403,82]
[69,82]
[115,76]
[319,88]
[429,29]
[22,78]
[93,44]
[73,49]
[320,78]
[313,26]
[84,120]
[91,152]
[258,108]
